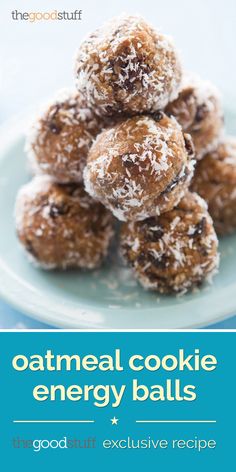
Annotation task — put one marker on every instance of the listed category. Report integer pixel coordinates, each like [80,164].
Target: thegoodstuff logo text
[53,15]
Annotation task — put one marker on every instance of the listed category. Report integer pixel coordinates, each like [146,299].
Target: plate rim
[50,321]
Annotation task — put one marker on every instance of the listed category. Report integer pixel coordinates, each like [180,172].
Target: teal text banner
[110,401]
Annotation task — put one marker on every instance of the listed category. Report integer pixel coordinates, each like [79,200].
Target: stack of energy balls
[124,144]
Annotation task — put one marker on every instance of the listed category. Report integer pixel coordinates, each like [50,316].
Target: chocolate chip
[201,112]
[181,177]
[142,258]
[54,128]
[153,277]
[200,228]
[172,185]
[109,109]
[128,85]
[127,162]
[153,236]
[117,31]
[151,221]
[151,229]
[52,123]
[71,189]
[158,116]
[58,209]
[115,203]
[160,262]
[189,144]
[111,63]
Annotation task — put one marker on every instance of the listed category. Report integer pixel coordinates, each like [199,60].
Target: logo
[54,15]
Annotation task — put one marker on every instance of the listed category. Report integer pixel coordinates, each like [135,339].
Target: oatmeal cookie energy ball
[215,181]
[174,252]
[140,167]
[127,66]
[60,226]
[59,140]
[198,110]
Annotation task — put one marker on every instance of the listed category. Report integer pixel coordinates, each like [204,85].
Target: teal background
[216,400]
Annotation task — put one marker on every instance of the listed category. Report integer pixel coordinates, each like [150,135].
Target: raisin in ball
[215,181]
[127,66]
[175,252]
[141,167]
[60,226]
[198,110]
[60,138]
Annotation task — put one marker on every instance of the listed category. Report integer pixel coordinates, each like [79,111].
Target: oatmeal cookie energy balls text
[127,66]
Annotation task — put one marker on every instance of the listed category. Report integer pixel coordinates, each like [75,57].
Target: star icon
[114,421]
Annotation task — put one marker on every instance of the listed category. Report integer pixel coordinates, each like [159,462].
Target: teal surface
[214,402]
[107,298]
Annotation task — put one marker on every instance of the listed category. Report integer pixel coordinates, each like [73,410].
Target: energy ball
[198,110]
[175,252]
[60,138]
[215,181]
[141,167]
[127,66]
[60,226]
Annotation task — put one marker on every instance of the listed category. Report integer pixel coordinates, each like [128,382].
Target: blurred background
[36,58]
